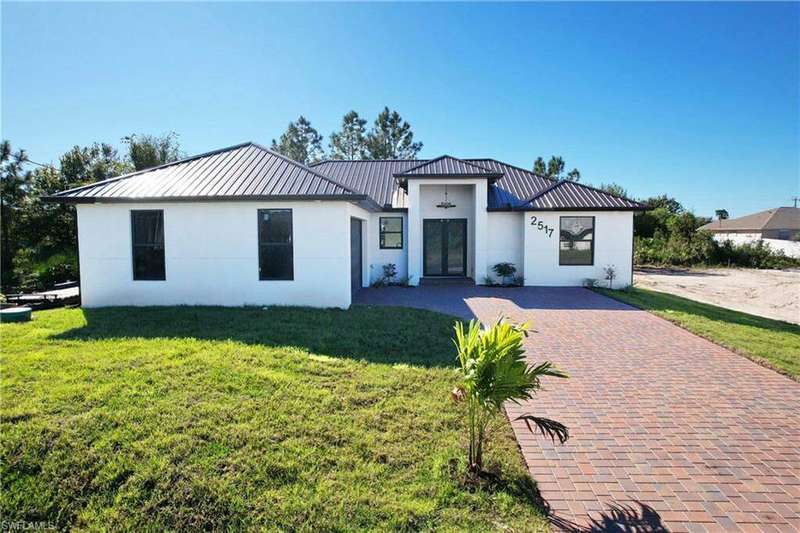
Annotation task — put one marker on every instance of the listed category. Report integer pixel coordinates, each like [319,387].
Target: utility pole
[795,199]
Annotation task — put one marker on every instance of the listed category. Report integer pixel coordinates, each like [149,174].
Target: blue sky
[699,101]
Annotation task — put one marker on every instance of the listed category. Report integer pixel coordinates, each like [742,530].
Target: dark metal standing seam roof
[445,166]
[241,172]
[516,189]
[516,185]
[571,195]
[373,177]
[251,172]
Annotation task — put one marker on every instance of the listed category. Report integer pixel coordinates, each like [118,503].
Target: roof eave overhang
[355,198]
[528,208]
[493,176]
[730,230]
[403,179]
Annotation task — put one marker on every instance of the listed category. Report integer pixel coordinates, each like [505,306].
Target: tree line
[38,240]
[389,137]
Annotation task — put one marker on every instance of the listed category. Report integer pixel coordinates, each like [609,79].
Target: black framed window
[576,241]
[391,233]
[147,238]
[275,248]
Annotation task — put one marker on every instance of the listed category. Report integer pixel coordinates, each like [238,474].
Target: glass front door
[445,247]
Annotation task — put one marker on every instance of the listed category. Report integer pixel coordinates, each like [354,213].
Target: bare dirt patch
[768,293]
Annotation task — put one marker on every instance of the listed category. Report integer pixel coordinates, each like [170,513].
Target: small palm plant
[494,371]
[505,270]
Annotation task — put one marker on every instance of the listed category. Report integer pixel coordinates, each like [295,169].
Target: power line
[39,164]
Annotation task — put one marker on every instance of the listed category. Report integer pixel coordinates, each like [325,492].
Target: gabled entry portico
[447,218]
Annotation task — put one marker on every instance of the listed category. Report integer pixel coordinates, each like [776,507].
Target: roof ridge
[543,192]
[428,162]
[474,165]
[304,167]
[366,161]
[446,156]
[157,167]
[774,212]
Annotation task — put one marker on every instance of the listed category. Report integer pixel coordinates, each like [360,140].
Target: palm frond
[547,369]
[548,428]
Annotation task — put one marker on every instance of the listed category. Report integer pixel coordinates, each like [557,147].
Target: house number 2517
[541,226]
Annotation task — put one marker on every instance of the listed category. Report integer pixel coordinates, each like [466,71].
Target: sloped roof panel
[569,195]
[238,172]
[373,178]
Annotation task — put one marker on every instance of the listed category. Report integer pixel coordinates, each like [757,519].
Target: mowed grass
[772,342]
[153,419]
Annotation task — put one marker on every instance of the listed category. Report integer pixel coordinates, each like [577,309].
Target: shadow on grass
[521,487]
[664,302]
[379,335]
[637,517]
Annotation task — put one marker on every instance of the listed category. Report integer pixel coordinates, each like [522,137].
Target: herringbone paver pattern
[668,430]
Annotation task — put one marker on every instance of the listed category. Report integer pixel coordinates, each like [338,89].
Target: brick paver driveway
[668,430]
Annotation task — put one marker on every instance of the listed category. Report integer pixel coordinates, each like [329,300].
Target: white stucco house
[245,225]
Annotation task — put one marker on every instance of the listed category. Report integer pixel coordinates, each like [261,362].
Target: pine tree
[554,169]
[300,142]
[351,141]
[391,137]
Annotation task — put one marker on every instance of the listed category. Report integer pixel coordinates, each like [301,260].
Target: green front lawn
[772,342]
[210,418]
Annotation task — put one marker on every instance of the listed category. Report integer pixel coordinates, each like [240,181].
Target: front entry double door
[444,247]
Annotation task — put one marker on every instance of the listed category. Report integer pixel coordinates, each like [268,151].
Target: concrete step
[446,280]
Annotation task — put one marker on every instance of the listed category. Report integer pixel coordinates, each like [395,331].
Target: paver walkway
[668,430]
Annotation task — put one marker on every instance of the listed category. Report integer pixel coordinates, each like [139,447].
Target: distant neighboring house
[245,225]
[779,227]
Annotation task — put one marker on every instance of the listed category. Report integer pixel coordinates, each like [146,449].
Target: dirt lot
[767,293]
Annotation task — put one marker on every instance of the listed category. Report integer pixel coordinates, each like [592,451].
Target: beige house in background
[779,227]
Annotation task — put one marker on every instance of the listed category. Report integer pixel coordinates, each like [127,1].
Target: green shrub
[504,270]
[754,255]
[40,275]
[701,249]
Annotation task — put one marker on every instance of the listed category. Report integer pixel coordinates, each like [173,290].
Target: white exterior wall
[737,238]
[211,252]
[211,249]
[506,237]
[613,234]
[790,248]
[378,257]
